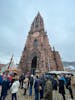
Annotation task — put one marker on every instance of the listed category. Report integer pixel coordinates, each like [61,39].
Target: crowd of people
[9,83]
[44,86]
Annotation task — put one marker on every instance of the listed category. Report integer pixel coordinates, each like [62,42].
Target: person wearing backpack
[55,87]
[62,84]
[68,85]
[54,83]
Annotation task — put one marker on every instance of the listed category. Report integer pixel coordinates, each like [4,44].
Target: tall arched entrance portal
[34,59]
[34,65]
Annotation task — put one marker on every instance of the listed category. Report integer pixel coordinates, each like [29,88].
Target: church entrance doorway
[33,65]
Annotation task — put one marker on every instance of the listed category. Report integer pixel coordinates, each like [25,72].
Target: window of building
[35,44]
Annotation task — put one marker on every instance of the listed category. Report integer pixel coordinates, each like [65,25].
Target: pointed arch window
[36,23]
[35,44]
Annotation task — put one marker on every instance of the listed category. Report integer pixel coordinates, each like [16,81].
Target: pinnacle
[38,14]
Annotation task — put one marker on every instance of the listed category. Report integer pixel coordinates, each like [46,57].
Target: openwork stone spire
[37,24]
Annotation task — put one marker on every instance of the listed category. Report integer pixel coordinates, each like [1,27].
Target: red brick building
[37,53]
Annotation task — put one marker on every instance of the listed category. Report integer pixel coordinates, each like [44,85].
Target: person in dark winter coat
[36,88]
[31,81]
[54,83]
[21,79]
[5,87]
[1,79]
[68,84]
[62,86]
[41,88]
[55,87]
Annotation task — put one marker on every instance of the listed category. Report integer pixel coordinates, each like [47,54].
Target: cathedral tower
[37,53]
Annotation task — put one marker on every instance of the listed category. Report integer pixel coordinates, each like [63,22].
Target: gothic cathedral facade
[37,53]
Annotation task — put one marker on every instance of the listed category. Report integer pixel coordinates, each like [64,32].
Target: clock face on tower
[35,34]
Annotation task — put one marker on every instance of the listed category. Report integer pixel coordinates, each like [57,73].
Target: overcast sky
[16,17]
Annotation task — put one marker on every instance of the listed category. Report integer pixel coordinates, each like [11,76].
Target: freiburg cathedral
[38,53]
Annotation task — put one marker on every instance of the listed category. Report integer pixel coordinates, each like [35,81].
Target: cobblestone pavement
[56,95]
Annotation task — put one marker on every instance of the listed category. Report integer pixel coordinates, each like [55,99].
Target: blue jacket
[1,79]
[5,87]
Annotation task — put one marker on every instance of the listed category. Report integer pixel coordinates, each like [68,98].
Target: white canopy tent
[59,72]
